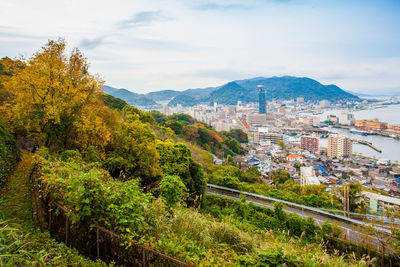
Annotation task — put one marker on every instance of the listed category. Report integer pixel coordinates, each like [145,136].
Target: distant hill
[229,94]
[184,100]
[130,97]
[289,87]
[283,88]
[169,94]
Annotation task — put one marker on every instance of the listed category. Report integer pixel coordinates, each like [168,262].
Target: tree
[282,144]
[172,189]
[176,159]
[252,175]
[113,102]
[134,153]
[238,134]
[280,177]
[354,195]
[230,160]
[47,97]
[234,145]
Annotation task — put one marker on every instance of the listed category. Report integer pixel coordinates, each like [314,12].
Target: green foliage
[72,155]
[200,133]
[92,155]
[132,113]
[172,189]
[175,159]
[134,153]
[113,102]
[9,154]
[234,145]
[280,177]
[354,195]
[237,134]
[236,230]
[18,248]
[284,188]
[262,218]
[230,160]
[252,175]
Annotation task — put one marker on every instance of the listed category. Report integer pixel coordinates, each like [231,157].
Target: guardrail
[298,206]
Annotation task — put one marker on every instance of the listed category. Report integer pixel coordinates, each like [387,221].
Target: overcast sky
[178,44]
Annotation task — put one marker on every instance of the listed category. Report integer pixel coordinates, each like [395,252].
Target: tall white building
[346,118]
[339,146]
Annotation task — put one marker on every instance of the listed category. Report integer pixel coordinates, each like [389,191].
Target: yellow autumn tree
[49,99]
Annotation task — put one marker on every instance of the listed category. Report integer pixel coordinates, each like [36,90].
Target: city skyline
[148,46]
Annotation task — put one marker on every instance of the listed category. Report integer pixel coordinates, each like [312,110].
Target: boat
[360,132]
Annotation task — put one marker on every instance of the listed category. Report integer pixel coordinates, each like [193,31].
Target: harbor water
[390,147]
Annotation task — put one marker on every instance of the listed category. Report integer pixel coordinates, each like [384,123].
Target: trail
[15,195]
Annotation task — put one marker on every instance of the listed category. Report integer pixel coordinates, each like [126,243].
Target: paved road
[350,231]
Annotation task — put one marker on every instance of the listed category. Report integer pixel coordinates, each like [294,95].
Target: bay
[390,147]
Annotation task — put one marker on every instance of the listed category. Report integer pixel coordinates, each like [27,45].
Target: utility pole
[346,200]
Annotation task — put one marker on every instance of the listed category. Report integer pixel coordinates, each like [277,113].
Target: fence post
[97,241]
[144,257]
[66,230]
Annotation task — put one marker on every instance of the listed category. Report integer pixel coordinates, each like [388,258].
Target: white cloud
[178,44]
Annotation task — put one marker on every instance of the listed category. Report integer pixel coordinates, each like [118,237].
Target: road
[350,231]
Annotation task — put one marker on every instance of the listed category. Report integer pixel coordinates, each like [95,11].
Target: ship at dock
[360,132]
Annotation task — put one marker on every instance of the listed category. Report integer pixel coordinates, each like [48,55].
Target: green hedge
[9,154]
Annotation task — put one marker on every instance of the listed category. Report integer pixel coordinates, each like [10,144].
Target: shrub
[9,154]
[172,189]
[71,155]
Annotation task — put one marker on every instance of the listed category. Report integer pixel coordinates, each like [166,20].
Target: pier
[363,142]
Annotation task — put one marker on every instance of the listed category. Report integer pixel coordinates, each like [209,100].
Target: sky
[152,45]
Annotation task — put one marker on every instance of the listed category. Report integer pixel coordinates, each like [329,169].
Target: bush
[71,155]
[9,154]
[172,189]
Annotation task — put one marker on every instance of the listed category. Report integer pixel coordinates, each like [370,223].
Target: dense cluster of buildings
[324,158]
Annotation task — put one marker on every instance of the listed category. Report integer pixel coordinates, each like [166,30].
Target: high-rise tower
[262,104]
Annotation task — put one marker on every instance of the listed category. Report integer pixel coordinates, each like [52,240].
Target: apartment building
[339,147]
[309,143]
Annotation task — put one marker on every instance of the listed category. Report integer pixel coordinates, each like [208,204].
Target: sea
[390,147]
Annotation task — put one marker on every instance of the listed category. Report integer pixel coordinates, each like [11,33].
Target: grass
[21,242]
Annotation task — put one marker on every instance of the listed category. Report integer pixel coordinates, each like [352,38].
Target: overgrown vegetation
[18,248]
[200,133]
[284,188]
[232,230]
[8,153]
[21,242]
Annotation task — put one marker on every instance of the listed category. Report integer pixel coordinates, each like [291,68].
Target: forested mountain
[130,97]
[289,87]
[285,88]
[229,94]
[184,100]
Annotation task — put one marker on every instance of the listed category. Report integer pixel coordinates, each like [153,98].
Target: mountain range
[284,88]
